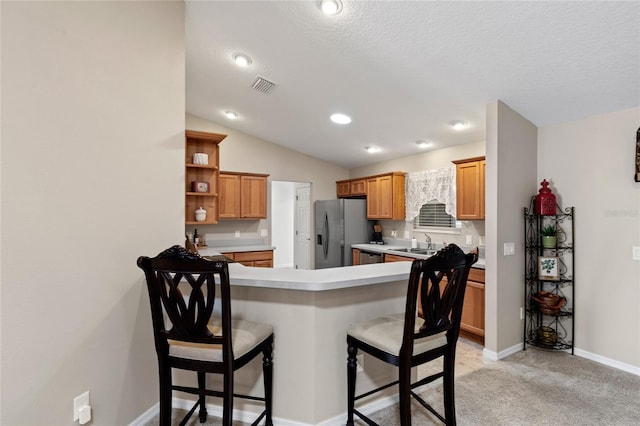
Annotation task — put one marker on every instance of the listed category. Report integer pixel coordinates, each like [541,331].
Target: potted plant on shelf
[549,236]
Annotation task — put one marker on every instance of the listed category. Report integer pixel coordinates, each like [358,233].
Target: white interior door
[302,249]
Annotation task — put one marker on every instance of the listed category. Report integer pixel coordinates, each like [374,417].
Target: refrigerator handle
[325,243]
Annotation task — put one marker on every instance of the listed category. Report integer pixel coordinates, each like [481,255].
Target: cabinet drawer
[253,255]
[395,258]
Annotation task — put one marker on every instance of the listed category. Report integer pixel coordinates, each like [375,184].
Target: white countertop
[309,279]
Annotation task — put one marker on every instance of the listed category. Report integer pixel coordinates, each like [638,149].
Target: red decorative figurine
[545,200]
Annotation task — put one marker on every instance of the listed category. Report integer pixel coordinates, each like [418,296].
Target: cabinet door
[470,189]
[343,188]
[229,195]
[473,309]
[373,199]
[358,187]
[253,192]
[380,198]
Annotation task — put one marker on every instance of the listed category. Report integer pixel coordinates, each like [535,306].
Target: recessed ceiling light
[339,118]
[372,149]
[241,59]
[231,115]
[331,7]
[458,124]
[423,144]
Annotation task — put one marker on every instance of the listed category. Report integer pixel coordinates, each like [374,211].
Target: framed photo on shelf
[548,268]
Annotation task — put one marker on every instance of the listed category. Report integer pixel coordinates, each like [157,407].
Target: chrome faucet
[428,239]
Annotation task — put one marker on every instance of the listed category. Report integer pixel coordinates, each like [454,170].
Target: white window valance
[422,187]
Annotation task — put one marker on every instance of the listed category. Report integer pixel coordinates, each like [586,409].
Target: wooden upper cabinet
[243,195]
[351,188]
[253,192]
[229,190]
[206,194]
[470,174]
[385,196]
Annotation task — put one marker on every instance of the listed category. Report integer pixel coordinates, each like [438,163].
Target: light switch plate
[509,249]
[481,240]
[635,253]
[468,239]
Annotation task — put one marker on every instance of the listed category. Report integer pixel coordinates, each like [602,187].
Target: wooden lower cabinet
[258,259]
[472,323]
[356,256]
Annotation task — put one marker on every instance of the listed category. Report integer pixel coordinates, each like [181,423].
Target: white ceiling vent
[263,85]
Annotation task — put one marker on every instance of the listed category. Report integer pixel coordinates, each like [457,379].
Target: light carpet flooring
[532,387]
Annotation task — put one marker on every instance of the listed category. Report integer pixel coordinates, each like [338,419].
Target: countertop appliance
[340,223]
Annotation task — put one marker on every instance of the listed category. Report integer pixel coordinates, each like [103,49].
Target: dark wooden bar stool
[417,336]
[182,293]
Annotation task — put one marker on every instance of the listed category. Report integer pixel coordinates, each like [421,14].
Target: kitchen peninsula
[310,311]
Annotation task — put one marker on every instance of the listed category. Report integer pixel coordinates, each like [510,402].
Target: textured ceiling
[402,70]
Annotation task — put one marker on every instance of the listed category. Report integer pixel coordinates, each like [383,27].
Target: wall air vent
[263,85]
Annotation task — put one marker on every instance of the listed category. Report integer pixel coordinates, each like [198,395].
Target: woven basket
[548,303]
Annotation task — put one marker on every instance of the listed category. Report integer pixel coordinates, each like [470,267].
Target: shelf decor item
[200,158]
[201,215]
[549,236]
[545,200]
[199,186]
[548,303]
[547,268]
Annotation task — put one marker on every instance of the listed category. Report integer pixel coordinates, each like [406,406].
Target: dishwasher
[367,257]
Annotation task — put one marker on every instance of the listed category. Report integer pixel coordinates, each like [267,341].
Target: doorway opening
[291,224]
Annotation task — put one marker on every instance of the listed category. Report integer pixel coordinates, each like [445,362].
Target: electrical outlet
[264,232]
[635,253]
[521,312]
[237,234]
[468,239]
[481,240]
[79,402]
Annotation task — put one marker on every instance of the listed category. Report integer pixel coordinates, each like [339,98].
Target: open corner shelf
[549,329]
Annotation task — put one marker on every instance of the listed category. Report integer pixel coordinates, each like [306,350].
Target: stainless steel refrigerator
[340,223]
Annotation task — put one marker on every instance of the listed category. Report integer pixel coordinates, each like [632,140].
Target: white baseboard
[146,416]
[607,361]
[249,417]
[495,356]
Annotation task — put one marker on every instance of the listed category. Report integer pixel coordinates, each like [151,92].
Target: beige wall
[92,154]
[510,183]
[590,164]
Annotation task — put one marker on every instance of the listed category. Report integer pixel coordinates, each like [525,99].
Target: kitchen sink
[417,250]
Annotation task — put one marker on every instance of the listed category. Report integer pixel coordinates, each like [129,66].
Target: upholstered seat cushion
[246,335]
[386,332]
